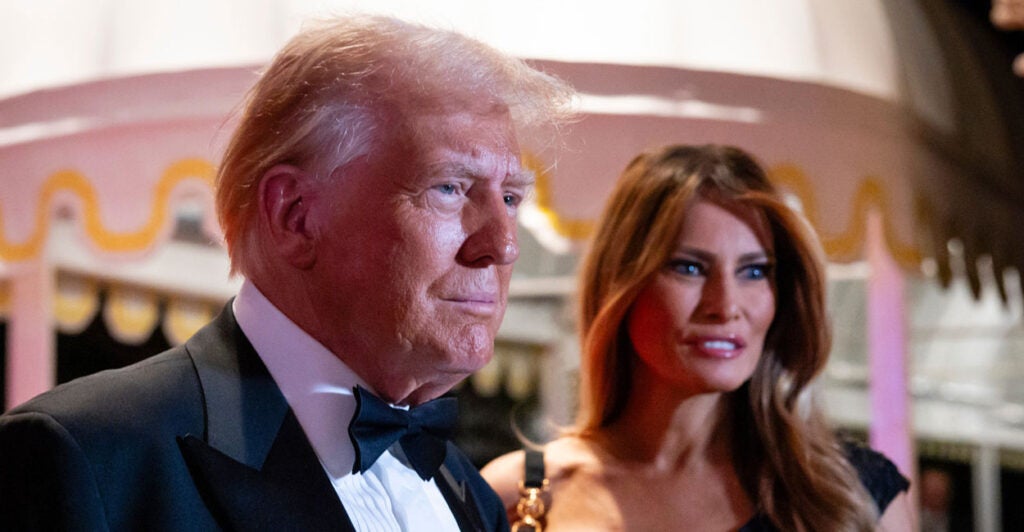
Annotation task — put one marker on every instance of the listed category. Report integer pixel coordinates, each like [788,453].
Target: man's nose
[720,298]
[491,234]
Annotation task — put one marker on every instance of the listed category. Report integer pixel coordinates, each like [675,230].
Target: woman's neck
[666,429]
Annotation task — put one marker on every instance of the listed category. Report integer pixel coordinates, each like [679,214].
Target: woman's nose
[720,298]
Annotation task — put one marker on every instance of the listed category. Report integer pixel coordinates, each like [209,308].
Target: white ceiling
[845,43]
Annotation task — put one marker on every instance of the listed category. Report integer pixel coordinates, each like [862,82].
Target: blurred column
[985,484]
[890,426]
[31,340]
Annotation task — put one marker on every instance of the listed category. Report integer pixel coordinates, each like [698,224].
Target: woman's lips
[716,346]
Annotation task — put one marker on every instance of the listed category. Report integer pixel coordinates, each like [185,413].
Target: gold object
[530,508]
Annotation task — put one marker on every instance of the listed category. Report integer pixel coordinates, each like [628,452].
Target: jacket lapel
[471,499]
[459,499]
[254,466]
[290,491]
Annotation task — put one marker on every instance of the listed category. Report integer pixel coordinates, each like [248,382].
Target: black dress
[879,476]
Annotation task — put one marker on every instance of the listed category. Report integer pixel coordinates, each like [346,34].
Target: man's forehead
[460,122]
[463,165]
[466,132]
[454,103]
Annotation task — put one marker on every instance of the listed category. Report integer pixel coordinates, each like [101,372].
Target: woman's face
[700,324]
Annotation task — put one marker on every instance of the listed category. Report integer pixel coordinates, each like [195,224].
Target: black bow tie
[423,431]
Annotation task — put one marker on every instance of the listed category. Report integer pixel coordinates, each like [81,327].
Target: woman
[703,324]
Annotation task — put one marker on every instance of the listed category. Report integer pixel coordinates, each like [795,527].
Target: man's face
[415,253]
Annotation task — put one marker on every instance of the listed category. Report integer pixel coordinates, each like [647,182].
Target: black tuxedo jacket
[196,438]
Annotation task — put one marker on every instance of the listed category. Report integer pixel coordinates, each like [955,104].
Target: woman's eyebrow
[709,257]
[756,256]
[697,253]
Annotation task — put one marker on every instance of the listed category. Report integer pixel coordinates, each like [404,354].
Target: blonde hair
[792,460]
[325,98]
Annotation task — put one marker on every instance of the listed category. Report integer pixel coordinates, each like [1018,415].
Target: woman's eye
[687,267]
[756,271]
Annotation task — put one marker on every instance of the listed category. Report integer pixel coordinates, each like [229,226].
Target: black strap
[534,477]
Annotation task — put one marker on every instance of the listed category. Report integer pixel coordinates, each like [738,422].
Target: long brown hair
[789,457]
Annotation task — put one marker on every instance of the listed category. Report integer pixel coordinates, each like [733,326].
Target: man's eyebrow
[523,178]
[448,168]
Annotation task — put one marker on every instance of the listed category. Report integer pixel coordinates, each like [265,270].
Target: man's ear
[285,205]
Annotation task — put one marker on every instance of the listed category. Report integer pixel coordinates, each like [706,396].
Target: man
[369,197]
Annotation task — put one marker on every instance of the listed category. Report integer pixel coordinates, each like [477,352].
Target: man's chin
[459,365]
[442,383]
[468,363]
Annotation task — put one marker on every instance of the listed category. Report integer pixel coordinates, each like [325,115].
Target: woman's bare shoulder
[569,454]
[504,473]
[562,457]
[899,516]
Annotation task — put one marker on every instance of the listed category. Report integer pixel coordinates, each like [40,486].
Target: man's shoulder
[103,451]
[159,389]
[161,385]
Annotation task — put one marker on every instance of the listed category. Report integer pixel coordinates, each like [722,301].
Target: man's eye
[447,188]
[688,268]
[512,200]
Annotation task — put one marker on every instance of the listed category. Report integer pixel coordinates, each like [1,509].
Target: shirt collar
[315,382]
